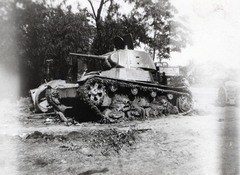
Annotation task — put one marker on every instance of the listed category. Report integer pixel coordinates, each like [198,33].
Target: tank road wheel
[96,92]
[153,94]
[112,116]
[134,91]
[221,97]
[184,103]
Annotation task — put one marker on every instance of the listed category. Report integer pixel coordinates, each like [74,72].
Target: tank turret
[123,63]
[124,58]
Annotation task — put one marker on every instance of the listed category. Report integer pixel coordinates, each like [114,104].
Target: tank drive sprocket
[96,92]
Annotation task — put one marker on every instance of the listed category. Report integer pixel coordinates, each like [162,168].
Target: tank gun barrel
[103,58]
[89,56]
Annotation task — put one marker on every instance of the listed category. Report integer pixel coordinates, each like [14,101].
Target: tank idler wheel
[184,103]
[96,93]
[134,91]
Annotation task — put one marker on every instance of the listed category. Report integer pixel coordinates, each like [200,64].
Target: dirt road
[205,142]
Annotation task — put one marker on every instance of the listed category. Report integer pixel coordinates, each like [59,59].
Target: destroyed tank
[120,88]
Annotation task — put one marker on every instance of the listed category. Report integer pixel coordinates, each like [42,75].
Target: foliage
[153,23]
[8,53]
[106,28]
[118,27]
[41,32]
[115,24]
[166,32]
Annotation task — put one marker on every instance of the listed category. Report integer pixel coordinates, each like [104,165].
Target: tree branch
[100,8]
[94,14]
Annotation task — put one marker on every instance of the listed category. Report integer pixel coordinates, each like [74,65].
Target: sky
[215,25]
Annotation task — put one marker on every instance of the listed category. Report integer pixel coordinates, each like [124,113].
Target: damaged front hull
[39,95]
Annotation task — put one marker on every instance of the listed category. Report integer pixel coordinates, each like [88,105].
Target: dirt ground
[204,142]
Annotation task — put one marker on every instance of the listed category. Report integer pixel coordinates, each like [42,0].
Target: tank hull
[111,100]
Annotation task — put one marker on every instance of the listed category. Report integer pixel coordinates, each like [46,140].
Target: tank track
[128,100]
